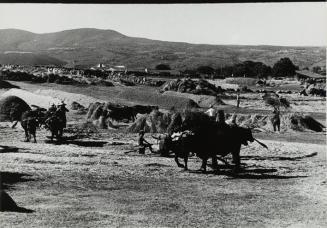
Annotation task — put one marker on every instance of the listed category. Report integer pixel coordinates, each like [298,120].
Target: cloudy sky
[303,24]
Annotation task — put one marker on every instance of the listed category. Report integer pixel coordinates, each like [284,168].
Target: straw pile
[12,107]
[289,122]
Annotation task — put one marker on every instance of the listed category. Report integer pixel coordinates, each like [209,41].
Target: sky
[286,24]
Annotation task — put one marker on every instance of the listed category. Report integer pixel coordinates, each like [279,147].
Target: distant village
[104,74]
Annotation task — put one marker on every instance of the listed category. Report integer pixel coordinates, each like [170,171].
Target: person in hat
[143,143]
[52,108]
[61,112]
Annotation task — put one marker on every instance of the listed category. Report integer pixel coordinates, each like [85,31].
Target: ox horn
[262,144]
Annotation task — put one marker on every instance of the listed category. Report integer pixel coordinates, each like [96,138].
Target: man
[238,100]
[211,112]
[143,143]
[275,120]
[220,119]
[61,112]
[165,142]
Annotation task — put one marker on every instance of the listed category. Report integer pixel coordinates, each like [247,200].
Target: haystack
[155,122]
[289,122]
[76,106]
[8,104]
[140,123]
[30,98]
[186,85]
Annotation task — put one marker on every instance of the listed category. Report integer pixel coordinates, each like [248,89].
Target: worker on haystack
[211,112]
[275,120]
[143,144]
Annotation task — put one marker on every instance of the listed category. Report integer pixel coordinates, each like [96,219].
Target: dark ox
[55,123]
[30,120]
[210,139]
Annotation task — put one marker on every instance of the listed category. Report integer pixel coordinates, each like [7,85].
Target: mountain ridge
[89,46]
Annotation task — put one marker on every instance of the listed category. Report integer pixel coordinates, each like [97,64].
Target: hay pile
[156,122]
[9,104]
[32,98]
[186,85]
[289,122]
[97,114]
[69,98]
[204,101]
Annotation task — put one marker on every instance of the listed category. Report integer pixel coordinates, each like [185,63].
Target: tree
[163,67]
[316,69]
[284,67]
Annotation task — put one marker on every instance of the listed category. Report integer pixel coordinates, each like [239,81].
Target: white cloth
[211,112]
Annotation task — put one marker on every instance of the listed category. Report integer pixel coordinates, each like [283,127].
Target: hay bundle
[12,107]
[186,85]
[76,106]
[275,101]
[289,122]
[155,122]
[93,107]
[302,122]
[140,123]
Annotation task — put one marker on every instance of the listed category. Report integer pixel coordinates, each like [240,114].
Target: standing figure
[143,143]
[275,120]
[220,118]
[238,99]
[61,112]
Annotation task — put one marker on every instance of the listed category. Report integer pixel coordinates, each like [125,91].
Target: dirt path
[95,184]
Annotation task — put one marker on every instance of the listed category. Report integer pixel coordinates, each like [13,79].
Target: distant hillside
[31,59]
[91,46]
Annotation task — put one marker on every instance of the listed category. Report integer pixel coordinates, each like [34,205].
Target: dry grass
[76,186]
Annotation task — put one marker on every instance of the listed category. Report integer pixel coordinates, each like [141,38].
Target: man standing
[61,111]
[143,143]
[238,100]
[275,120]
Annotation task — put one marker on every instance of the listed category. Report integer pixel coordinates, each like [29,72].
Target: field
[92,182]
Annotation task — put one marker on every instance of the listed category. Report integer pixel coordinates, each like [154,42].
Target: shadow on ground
[248,173]
[8,149]
[8,204]
[279,158]
[8,179]
[78,143]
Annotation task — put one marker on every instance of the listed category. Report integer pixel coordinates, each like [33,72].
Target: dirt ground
[93,182]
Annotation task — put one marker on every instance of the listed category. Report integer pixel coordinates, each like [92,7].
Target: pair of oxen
[207,139]
[30,120]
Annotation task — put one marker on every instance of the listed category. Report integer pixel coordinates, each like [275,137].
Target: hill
[89,46]
[30,59]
